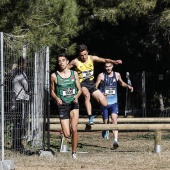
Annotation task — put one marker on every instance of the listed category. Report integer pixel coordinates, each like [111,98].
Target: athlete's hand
[59,102]
[130,88]
[75,99]
[118,62]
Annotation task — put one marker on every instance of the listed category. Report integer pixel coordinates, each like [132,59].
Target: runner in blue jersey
[108,86]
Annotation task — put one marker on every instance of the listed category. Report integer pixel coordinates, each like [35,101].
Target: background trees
[44,22]
[136,31]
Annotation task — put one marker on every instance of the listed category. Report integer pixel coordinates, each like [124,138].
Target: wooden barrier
[99,126]
[158,135]
[120,120]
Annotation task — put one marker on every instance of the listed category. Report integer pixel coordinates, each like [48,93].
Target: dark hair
[21,61]
[62,55]
[82,47]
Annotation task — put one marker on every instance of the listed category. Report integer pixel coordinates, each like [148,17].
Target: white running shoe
[105,134]
[74,156]
[91,122]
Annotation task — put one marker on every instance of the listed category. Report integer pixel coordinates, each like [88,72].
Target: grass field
[135,152]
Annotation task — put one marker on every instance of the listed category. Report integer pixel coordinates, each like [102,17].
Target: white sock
[115,140]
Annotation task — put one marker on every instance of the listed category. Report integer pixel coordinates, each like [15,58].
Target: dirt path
[135,153]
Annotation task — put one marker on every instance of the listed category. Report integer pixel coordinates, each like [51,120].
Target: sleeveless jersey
[66,88]
[85,70]
[109,87]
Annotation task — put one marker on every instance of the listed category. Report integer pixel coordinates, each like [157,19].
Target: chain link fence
[22,120]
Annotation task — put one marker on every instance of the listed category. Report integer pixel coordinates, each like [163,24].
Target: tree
[42,22]
[136,31]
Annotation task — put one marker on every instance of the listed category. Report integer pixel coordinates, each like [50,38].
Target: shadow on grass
[82,145]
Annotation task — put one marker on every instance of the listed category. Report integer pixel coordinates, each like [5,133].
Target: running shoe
[74,156]
[115,145]
[105,134]
[91,122]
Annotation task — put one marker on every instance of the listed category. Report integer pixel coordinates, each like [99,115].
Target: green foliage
[46,22]
[52,23]
[114,10]
[166,137]
[164,20]
[112,23]
[7,131]
[136,8]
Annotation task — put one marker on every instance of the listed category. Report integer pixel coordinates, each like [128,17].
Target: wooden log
[120,120]
[158,141]
[100,127]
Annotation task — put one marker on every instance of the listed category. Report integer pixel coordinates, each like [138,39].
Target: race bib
[110,91]
[87,74]
[68,92]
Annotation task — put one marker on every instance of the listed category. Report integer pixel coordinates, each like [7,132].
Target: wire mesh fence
[150,97]
[24,96]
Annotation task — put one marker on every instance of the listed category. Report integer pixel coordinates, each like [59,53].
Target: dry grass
[135,153]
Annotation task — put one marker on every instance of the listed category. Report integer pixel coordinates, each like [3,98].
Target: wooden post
[63,147]
[157,141]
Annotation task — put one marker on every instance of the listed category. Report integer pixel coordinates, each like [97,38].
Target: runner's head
[62,61]
[83,52]
[108,67]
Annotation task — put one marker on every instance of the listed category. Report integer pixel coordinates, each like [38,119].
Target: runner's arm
[78,87]
[105,60]
[72,64]
[53,83]
[99,79]
[122,83]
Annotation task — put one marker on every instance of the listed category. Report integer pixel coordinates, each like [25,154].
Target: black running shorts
[65,109]
[89,84]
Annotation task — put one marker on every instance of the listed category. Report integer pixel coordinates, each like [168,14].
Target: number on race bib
[68,92]
[87,74]
[110,91]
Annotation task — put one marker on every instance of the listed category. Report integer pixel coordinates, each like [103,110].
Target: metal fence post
[4,164]
[48,98]
[2,101]
[143,94]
